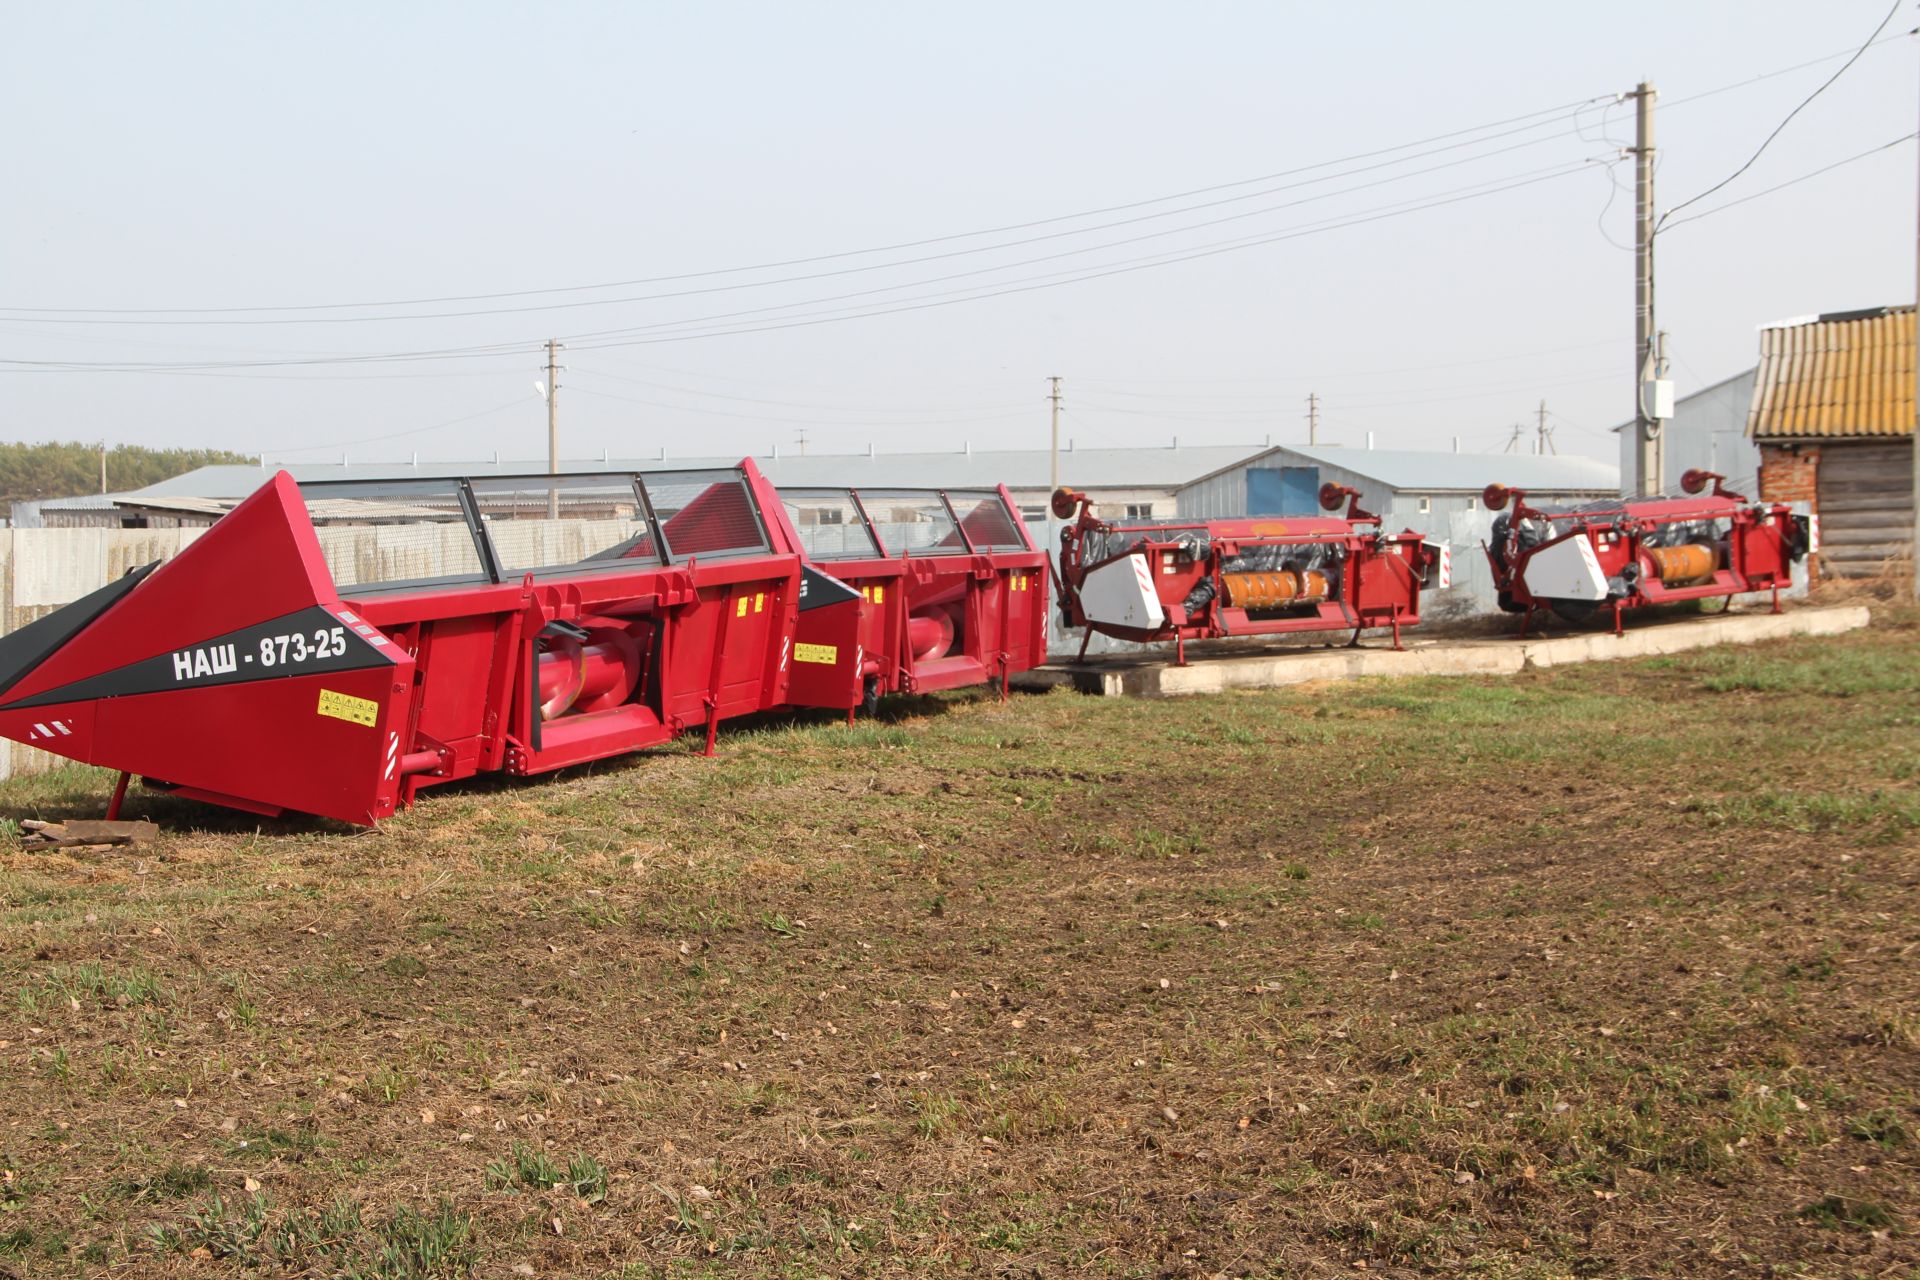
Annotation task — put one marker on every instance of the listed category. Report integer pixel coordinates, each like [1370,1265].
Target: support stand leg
[1397,646]
[119,796]
[1526,620]
[1618,629]
[713,726]
[1085,640]
[1776,598]
[1179,650]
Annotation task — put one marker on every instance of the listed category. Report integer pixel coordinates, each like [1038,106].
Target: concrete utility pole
[1053,469]
[553,425]
[1313,417]
[103,466]
[1650,446]
[1543,434]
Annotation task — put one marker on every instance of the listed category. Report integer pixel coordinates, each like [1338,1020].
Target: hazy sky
[168,157]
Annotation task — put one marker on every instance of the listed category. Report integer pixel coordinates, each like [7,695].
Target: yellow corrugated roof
[1845,375]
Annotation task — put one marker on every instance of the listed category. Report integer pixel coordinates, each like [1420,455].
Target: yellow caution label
[759,601]
[344,706]
[825,654]
[741,611]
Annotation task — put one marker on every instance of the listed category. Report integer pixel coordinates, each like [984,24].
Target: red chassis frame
[240,674]
[1640,552]
[1184,574]
[965,605]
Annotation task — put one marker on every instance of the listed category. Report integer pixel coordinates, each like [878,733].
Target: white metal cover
[1566,570]
[1443,570]
[1120,594]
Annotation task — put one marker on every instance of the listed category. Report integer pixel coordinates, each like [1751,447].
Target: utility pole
[1513,441]
[801,438]
[1650,448]
[1543,434]
[103,466]
[1053,469]
[553,425]
[1313,417]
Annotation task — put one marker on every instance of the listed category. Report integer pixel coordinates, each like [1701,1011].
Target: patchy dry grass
[1600,971]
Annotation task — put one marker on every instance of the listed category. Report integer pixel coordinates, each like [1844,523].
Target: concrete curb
[1472,657]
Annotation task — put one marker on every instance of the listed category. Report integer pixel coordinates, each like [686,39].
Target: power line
[1006,405]
[1048,280]
[827,257]
[1023,262]
[1825,85]
[896,263]
[1791,182]
[398,435]
[713,326]
[805,422]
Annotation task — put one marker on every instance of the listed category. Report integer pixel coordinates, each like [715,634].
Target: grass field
[1607,970]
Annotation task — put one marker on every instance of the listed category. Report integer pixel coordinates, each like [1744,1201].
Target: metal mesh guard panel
[987,522]
[829,524]
[550,522]
[918,523]
[386,534]
[705,513]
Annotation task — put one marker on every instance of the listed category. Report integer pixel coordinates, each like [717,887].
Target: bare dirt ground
[1600,971]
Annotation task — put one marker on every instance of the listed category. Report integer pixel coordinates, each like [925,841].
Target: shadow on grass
[83,791]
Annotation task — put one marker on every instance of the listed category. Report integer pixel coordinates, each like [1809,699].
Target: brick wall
[1789,473]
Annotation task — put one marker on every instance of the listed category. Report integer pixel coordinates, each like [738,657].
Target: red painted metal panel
[1640,548]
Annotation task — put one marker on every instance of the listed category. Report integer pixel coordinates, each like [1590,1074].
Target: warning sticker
[344,706]
[825,654]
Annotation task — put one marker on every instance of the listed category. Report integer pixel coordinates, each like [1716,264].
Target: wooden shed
[1833,415]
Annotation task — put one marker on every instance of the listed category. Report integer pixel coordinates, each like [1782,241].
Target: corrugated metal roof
[1424,471]
[1139,468]
[1845,374]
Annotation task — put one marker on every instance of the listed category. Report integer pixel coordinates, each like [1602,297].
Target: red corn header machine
[335,648]
[1624,555]
[1159,580]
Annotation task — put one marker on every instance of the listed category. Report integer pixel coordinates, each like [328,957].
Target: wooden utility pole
[553,425]
[1053,470]
[1649,446]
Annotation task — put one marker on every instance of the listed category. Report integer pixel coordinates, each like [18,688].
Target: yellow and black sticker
[759,601]
[825,654]
[741,611]
[344,706]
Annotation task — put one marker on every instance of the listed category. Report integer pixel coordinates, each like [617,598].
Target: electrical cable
[1825,85]
[1792,182]
[879,266]
[850,253]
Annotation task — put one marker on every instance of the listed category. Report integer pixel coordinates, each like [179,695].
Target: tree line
[29,472]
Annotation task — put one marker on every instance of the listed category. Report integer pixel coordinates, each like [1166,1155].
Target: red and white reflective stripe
[1446,567]
[393,754]
[1813,532]
[1141,572]
[51,728]
[785,644]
